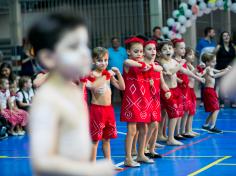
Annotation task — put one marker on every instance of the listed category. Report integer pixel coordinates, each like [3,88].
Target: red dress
[184,104]
[135,102]
[154,90]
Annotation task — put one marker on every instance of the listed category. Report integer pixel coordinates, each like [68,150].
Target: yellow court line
[209,166]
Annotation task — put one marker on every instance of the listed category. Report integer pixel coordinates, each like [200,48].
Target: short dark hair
[207,30]
[113,38]
[161,44]
[155,28]
[23,80]
[46,32]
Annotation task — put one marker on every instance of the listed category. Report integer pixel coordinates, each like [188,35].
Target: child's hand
[115,70]
[157,68]
[202,80]
[168,95]
[167,73]
[202,65]
[183,61]
[112,73]
[180,81]
[228,68]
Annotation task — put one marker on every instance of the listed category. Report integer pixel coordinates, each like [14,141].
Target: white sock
[206,125]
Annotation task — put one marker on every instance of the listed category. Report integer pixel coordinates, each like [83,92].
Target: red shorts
[173,105]
[102,122]
[192,102]
[210,99]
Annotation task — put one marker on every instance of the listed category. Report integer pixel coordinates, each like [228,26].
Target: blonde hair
[207,57]
[99,52]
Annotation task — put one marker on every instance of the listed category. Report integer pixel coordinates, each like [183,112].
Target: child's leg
[143,129]
[189,127]
[184,122]
[162,127]
[129,140]
[153,138]
[177,128]
[106,148]
[208,120]
[134,145]
[214,116]
[151,128]
[94,151]
[171,129]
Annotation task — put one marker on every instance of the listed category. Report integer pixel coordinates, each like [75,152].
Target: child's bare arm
[164,87]
[40,79]
[222,73]
[119,84]
[179,80]
[191,74]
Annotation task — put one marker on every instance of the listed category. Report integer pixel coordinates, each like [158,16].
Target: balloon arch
[187,13]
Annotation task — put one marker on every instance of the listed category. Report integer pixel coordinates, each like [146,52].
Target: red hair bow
[176,40]
[150,42]
[134,40]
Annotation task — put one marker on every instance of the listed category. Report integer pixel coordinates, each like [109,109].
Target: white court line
[226,131]
[121,133]
[226,164]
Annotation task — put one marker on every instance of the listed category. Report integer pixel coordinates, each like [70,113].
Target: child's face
[180,49]
[73,54]
[101,63]
[5,84]
[150,51]
[167,51]
[212,63]
[13,88]
[28,84]
[136,51]
[6,72]
[190,57]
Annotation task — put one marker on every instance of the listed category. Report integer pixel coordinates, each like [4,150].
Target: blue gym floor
[208,154]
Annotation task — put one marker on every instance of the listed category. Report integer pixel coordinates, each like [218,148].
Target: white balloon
[207,11]
[202,6]
[188,13]
[182,30]
[170,22]
[178,36]
[182,19]
[165,30]
[211,5]
[219,3]
[177,25]
[171,35]
[175,13]
[200,13]
[188,23]
[233,7]
[192,2]
[183,5]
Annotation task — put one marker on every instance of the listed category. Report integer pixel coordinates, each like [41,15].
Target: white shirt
[3,98]
[28,96]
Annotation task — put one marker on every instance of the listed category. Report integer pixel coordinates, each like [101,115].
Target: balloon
[192,2]
[219,3]
[182,19]
[188,13]
[233,7]
[171,35]
[175,13]
[188,23]
[170,22]
[184,6]
[165,30]
[177,25]
[202,6]
[211,5]
[182,30]
[179,36]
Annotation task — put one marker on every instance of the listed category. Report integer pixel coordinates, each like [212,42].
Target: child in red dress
[210,97]
[102,116]
[155,82]
[134,109]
